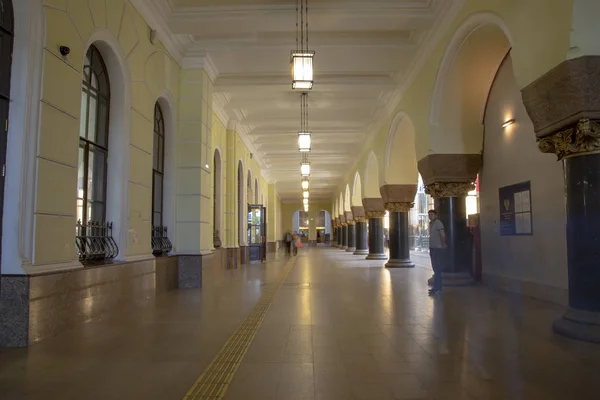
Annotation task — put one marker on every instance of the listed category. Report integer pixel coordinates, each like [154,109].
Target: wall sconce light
[206,166]
[508,123]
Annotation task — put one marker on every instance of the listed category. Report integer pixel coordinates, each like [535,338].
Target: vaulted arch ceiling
[364,53]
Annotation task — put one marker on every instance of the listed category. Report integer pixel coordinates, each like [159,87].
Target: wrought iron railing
[95,242]
[160,241]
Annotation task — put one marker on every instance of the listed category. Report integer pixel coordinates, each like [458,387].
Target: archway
[356,199]
[6,43]
[371,175]
[241,205]
[400,163]
[463,84]
[217,199]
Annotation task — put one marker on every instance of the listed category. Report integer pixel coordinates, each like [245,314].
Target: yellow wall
[537,47]
[140,73]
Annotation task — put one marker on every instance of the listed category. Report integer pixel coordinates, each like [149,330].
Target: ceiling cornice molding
[200,60]
[375,7]
[219,101]
[155,14]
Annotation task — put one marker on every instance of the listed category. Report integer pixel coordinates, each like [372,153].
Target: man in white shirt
[437,250]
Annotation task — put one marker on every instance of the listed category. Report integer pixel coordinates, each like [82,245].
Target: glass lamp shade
[304,141]
[302,69]
[305,194]
[304,184]
[305,169]
[305,202]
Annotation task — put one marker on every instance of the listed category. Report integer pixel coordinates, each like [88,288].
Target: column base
[400,264]
[343,248]
[361,252]
[350,249]
[579,325]
[375,256]
[190,271]
[457,279]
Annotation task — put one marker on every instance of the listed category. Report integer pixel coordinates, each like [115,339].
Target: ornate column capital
[361,219]
[344,224]
[351,222]
[449,189]
[398,206]
[579,139]
[375,214]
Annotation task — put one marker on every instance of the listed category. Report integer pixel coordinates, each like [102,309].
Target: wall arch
[463,82]
[347,199]
[400,163]
[256,194]
[357,190]
[119,134]
[371,186]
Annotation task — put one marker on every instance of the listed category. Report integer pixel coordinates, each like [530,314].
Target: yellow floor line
[217,376]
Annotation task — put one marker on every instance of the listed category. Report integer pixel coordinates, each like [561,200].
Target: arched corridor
[433,164]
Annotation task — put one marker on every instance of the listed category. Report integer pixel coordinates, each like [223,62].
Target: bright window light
[304,184]
[305,194]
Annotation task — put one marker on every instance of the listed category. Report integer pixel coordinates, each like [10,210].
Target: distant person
[295,242]
[288,243]
[437,250]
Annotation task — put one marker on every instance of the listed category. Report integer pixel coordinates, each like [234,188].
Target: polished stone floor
[339,328]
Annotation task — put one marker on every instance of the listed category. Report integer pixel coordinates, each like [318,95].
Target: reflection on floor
[339,328]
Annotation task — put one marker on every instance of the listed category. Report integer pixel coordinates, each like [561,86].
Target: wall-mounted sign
[515,210]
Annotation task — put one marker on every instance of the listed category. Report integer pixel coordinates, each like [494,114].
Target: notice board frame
[516,211]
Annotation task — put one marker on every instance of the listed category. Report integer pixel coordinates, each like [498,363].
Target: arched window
[160,239]
[158,167]
[93,139]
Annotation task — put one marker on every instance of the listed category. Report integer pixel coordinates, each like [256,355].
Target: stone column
[399,235]
[362,247]
[564,107]
[450,203]
[376,245]
[338,233]
[448,178]
[398,200]
[351,237]
[344,245]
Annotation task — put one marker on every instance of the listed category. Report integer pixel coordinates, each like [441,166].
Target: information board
[515,210]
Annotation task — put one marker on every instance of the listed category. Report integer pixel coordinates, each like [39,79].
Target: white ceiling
[365,52]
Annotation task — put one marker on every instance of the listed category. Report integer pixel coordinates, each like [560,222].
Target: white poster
[518,202]
[525,201]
